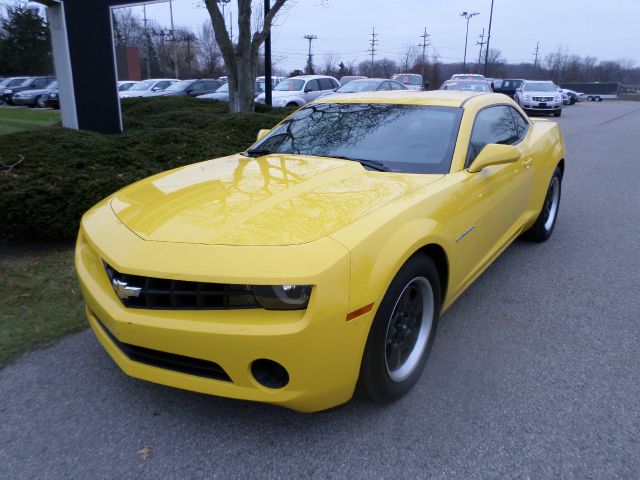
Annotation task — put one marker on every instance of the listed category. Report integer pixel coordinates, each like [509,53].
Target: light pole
[468,16]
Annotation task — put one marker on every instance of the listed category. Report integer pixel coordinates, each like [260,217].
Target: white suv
[539,97]
[298,91]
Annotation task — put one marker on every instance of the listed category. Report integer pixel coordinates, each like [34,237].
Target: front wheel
[41,101]
[557,113]
[546,221]
[402,332]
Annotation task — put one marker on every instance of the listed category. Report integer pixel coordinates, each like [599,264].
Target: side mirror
[494,154]
[262,133]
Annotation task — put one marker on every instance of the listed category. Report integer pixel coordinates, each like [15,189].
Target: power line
[311,38]
[481,43]
[535,61]
[425,43]
[373,43]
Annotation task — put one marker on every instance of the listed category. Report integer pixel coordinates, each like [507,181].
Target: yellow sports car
[322,257]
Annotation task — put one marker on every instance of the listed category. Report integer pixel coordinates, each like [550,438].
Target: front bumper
[534,106]
[319,348]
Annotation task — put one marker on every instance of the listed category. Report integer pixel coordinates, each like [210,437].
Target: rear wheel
[546,221]
[557,113]
[590,98]
[402,332]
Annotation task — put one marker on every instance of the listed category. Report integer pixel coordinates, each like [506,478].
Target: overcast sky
[608,30]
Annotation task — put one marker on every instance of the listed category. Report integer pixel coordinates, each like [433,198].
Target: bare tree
[210,55]
[330,66]
[241,59]
[408,57]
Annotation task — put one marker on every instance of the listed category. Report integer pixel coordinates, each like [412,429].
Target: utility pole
[373,43]
[311,38]
[267,60]
[481,43]
[535,60]
[467,16]
[486,56]
[425,43]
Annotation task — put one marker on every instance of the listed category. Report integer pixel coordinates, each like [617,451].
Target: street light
[467,16]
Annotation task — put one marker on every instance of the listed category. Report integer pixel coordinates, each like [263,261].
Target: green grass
[39,298]
[18,119]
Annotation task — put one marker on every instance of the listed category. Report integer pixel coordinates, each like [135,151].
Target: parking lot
[534,373]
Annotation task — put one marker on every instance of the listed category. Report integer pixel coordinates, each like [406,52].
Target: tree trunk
[241,60]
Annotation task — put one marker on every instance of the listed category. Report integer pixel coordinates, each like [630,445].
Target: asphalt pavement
[535,372]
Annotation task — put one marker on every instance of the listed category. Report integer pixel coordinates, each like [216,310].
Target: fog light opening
[269,374]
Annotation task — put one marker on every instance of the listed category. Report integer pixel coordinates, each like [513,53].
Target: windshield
[290,84]
[467,86]
[223,89]
[408,78]
[539,87]
[405,138]
[52,86]
[146,85]
[179,86]
[359,86]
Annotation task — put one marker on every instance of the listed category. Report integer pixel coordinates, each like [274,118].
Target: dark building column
[84,59]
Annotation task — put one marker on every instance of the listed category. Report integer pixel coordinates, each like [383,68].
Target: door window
[492,125]
[522,125]
[312,86]
[326,84]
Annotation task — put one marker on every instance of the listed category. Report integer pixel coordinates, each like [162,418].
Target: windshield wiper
[375,165]
[258,152]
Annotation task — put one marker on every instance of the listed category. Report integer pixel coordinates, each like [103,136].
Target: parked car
[509,86]
[321,257]
[53,99]
[259,85]
[350,78]
[223,79]
[467,76]
[31,83]
[35,98]
[298,91]
[221,94]
[413,81]
[189,88]
[536,96]
[467,85]
[124,85]
[148,87]
[8,83]
[369,85]
[573,95]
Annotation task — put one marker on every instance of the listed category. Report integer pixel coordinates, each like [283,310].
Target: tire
[397,348]
[590,98]
[598,99]
[546,221]
[557,113]
[41,101]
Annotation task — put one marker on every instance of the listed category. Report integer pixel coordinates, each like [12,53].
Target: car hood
[271,200]
[283,93]
[541,94]
[215,96]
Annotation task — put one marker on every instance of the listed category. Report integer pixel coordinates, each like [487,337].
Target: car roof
[442,98]
[311,77]
[467,80]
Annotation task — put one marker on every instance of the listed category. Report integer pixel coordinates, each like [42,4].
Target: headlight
[282,297]
[527,97]
[53,95]
[558,98]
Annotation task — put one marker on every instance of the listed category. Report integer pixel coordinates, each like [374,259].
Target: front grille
[543,99]
[168,361]
[164,294]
